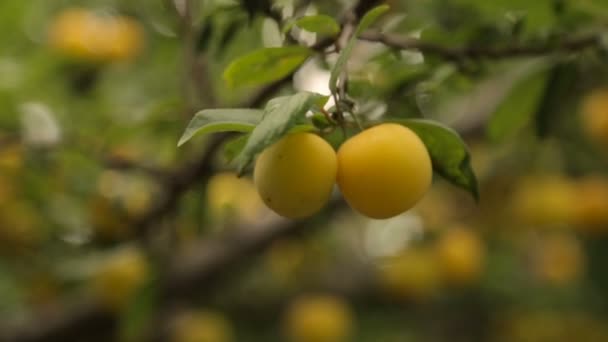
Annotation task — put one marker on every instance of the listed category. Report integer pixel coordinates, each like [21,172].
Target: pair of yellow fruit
[381,172]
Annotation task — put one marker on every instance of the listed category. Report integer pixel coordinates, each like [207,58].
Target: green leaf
[139,311]
[233,147]
[449,154]
[319,24]
[221,120]
[280,115]
[368,19]
[518,108]
[559,87]
[265,65]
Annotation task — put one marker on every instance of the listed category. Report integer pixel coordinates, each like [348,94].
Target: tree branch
[194,272]
[567,44]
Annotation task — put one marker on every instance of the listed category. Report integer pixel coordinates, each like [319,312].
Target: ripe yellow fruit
[594,116]
[460,253]
[84,35]
[231,197]
[296,175]
[119,277]
[320,318]
[413,275]
[384,171]
[201,326]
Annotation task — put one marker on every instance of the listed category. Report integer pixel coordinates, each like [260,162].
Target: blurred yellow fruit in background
[119,277]
[436,208]
[594,116]
[11,158]
[84,35]
[384,170]
[559,259]
[547,200]
[232,198]
[591,206]
[461,255]
[19,229]
[414,274]
[124,39]
[201,326]
[319,318]
[296,175]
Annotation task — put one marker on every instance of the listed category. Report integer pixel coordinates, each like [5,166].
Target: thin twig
[567,44]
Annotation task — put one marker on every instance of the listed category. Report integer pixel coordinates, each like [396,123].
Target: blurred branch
[189,273]
[71,322]
[194,271]
[9,139]
[124,164]
[567,44]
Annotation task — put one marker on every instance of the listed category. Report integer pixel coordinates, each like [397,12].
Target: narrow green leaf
[221,120]
[319,24]
[265,65]
[449,154]
[559,87]
[139,312]
[280,115]
[518,108]
[368,19]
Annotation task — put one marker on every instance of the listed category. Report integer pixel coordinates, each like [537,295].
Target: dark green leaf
[265,65]
[228,33]
[559,86]
[255,6]
[320,24]
[449,154]
[221,120]
[280,115]
[518,108]
[204,36]
[367,20]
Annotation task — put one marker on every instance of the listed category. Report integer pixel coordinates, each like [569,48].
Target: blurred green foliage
[84,147]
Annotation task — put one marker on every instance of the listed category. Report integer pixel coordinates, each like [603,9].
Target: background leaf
[320,24]
[280,115]
[368,19]
[265,65]
[135,319]
[450,155]
[559,86]
[518,108]
[221,120]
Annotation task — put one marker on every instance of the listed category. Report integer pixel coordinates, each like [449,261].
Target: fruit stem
[327,116]
[357,121]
